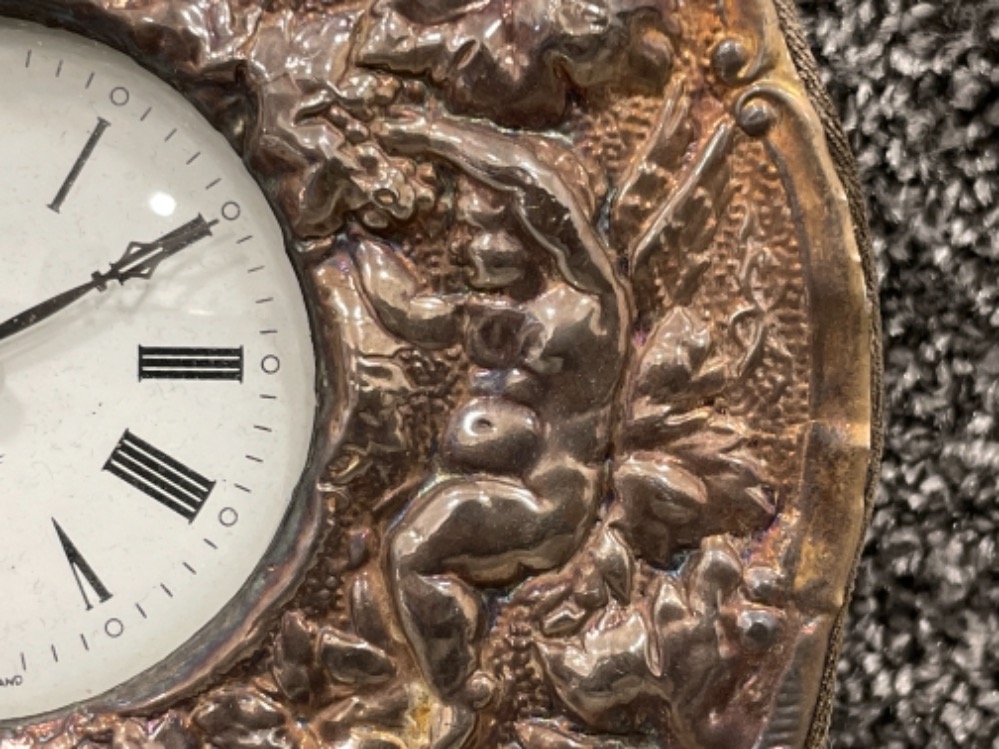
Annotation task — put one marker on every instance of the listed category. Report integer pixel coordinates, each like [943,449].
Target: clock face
[153,428]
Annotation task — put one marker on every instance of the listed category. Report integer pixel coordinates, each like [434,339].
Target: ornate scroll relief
[599,336]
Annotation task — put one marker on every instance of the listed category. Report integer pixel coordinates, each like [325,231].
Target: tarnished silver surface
[600,350]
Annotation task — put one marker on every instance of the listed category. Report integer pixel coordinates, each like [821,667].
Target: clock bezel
[244,620]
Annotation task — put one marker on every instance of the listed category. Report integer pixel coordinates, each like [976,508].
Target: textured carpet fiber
[917,85]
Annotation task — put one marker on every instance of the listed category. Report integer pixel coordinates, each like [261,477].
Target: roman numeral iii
[157,363]
[159,476]
[84,574]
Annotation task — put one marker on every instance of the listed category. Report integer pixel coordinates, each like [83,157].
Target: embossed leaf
[294,657]
[130,734]
[674,368]
[700,484]
[385,709]
[679,647]
[369,739]
[350,660]
[172,733]
[663,489]
[536,734]
[650,425]
[241,718]
[663,505]
[604,669]
[734,479]
[564,619]
[614,561]
[370,609]
[697,650]
[533,735]
[528,82]
[685,224]
[562,603]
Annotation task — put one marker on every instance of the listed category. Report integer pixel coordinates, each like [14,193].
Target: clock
[539,411]
[157,379]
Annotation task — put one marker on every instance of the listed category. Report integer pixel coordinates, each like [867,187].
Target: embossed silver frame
[243,621]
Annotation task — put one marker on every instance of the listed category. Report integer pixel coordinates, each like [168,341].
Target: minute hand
[139,260]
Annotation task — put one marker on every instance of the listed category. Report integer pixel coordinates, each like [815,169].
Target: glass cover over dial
[157,374]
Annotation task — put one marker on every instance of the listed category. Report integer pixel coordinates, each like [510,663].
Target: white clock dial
[152,431]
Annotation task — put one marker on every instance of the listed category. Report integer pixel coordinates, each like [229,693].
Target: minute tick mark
[170,135]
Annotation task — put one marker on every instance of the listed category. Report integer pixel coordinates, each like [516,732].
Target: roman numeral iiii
[157,363]
[159,476]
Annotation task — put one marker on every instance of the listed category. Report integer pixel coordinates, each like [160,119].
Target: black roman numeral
[159,476]
[82,572]
[190,363]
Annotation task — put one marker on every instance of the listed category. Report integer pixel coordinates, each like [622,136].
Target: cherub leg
[460,536]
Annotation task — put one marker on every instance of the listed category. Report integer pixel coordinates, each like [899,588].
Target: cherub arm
[405,309]
[546,205]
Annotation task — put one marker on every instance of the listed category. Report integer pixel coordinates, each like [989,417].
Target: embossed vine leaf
[532,73]
[294,662]
[244,718]
[540,734]
[340,687]
[674,645]
[686,473]
[676,371]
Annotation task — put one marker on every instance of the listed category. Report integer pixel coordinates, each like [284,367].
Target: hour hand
[139,260]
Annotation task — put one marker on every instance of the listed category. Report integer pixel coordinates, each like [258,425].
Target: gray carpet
[917,85]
